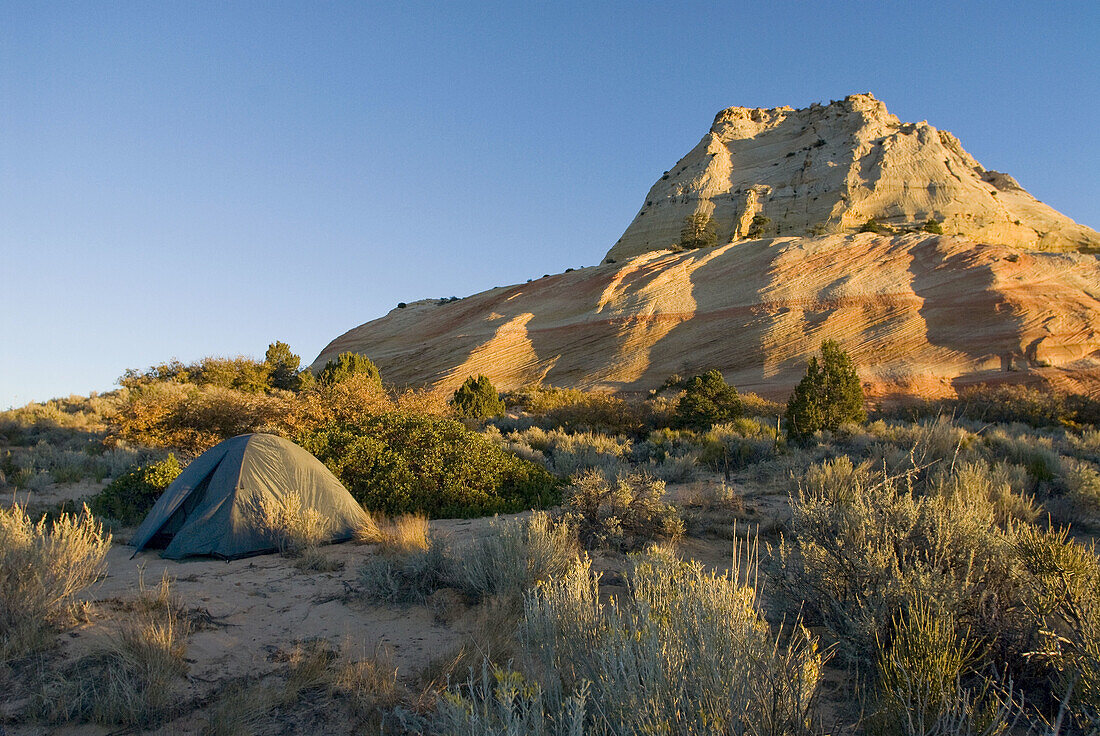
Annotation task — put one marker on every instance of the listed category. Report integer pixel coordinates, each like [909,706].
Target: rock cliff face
[786,190]
[829,169]
[920,314]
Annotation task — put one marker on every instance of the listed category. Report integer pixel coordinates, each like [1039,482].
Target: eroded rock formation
[831,168]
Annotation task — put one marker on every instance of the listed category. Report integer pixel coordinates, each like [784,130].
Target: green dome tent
[209,508]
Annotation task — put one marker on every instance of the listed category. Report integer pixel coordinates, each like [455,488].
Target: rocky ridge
[920,314]
[831,168]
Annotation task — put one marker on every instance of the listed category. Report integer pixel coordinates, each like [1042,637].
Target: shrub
[477,399]
[1064,601]
[577,410]
[509,560]
[240,373]
[873,226]
[758,226]
[401,463]
[829,395]
[194,418]
[405,579]
[864,547]
[346,365]
[515,556]
[42,568]
[566,454]
[931,225]
[624,514]
[867,549]
[282,366]
[999,486]
[698,231]
[685,652]
[735,445]
[129,497]
[1008,403]
[707,400]
[922,679]
[1083,483]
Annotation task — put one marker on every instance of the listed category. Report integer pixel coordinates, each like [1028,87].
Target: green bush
[932,226]
[128,498]
[829,395]
[698,231]
[477,398]
[404,463]
[873,226]
[758,227]
[346,365]
[707,400]
[282,366]
[625,514]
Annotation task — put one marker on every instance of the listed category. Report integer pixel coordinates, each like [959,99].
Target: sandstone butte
[1010,292]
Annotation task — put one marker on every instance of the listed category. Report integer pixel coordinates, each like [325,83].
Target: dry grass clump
[400,535]
[42,568]
[292,528]
[625,514]
[130,679]
[334,686]
[686,652]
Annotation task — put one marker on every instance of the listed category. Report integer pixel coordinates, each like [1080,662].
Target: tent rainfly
[210,508]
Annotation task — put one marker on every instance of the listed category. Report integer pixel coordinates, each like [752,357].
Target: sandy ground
[251,612]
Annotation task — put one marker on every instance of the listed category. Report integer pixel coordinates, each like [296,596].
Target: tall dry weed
[43,566]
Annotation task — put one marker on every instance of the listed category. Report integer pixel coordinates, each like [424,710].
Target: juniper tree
[477,398]
[346,365]
[707,400]
[282,366]
[829,395]
[698,231]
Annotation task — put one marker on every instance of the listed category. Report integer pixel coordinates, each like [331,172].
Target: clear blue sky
[186,179]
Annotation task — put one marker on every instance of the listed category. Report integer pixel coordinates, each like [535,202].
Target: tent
[209,508]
